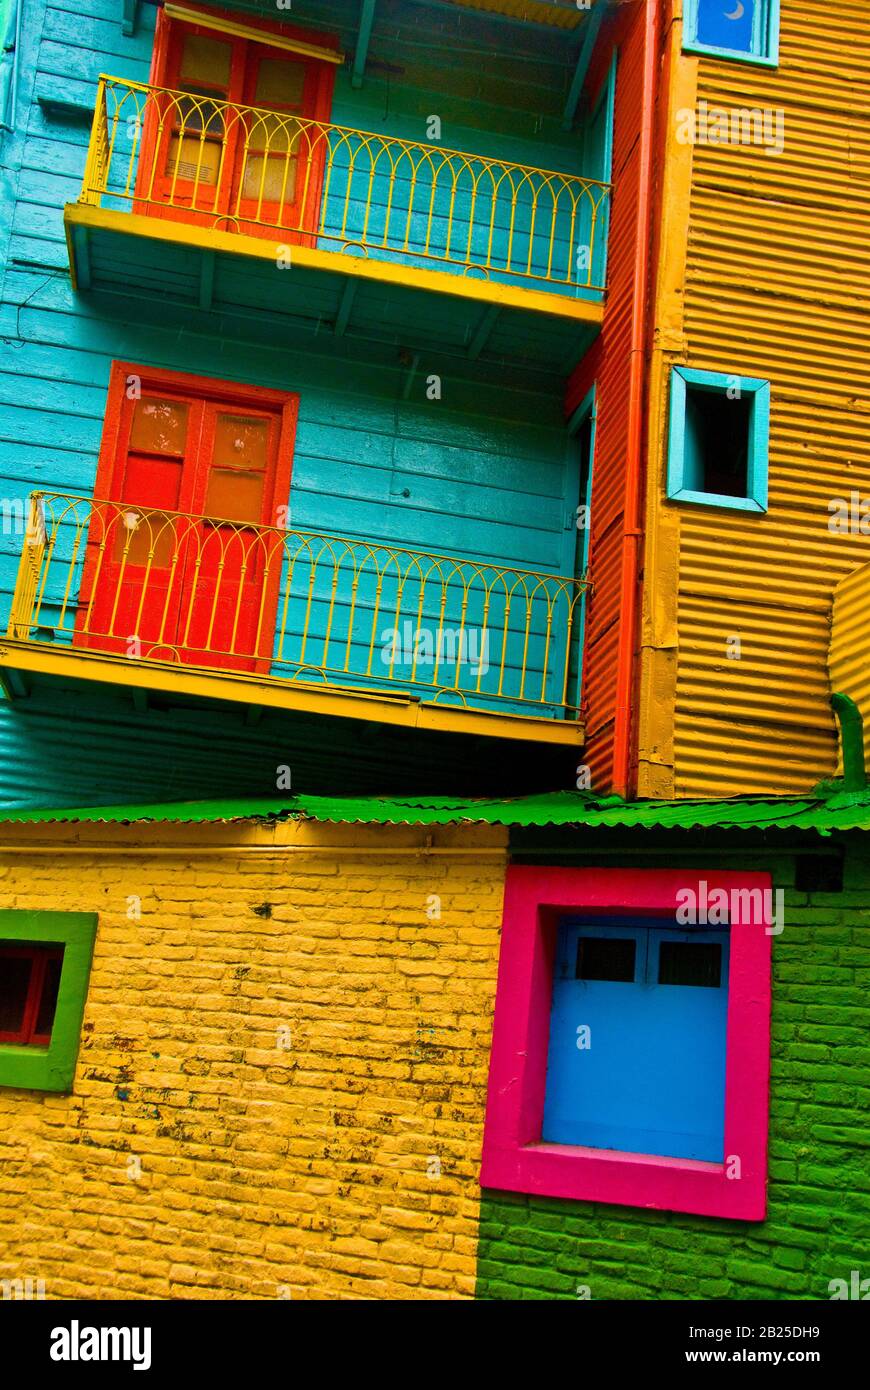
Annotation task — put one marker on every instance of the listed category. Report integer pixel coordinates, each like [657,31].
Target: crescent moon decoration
[738,13]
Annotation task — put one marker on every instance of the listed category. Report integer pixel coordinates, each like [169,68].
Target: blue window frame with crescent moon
[747,30]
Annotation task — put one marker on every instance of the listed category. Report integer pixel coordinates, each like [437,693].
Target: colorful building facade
[432,511]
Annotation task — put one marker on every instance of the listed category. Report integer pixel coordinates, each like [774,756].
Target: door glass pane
[144,536]
[273,134]
[280,82]
[48,1002]
[240,442]
[690,963]
[235,495]
[270,180]
[605,958]
[206,60]
[14,982]
[197,112]
[159,426]
[194,160]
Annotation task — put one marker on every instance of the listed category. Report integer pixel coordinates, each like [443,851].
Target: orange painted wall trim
[617,363]
[631,536]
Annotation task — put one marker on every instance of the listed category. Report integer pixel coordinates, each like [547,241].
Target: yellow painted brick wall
[308,1171]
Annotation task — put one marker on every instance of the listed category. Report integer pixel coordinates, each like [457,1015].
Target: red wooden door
[183,558]
[191,129]
[229,140]
[134,564]
[232,567]
[278,156]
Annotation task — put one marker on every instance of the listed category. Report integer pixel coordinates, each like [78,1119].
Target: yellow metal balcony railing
[161,586]
[219,165]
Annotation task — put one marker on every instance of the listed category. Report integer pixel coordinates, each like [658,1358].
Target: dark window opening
[819,873]
[29,985]
[717,442]
[690,963]
[605,958]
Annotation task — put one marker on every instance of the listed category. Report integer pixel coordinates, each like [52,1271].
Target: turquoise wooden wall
[486,471]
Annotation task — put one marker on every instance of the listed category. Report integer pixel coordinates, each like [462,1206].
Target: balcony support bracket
[129,17]
[484,329]
[366,20]
[82,258]
[583,60]
[411,364]
[342,318]
[206,279]
[13,684]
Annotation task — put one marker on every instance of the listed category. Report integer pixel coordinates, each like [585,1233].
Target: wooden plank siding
[485,472]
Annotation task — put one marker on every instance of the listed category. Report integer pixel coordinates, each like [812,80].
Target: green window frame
[52,1068]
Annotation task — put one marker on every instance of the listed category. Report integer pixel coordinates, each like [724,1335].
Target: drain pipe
[852,739]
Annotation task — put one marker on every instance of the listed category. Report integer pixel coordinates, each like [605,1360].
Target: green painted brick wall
[818,1223]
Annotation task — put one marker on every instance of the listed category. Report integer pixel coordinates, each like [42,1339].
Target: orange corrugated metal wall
[608,366]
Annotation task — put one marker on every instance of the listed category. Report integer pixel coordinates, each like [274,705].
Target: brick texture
[818,1224]
[198,1157]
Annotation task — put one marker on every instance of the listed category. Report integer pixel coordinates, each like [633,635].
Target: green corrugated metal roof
[824,814]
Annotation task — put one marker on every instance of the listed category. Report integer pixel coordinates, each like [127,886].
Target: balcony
[371,235]
[198,606]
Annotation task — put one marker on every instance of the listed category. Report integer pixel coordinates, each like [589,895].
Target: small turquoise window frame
[765,35]
[679,487]
[52,1068]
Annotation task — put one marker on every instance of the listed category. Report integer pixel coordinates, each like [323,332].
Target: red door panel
[183,559]
[228,141]
[188,143]
[278,161]
[136,544]
[229,573]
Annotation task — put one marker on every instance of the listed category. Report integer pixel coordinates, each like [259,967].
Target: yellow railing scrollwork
[296,605]
[218,164]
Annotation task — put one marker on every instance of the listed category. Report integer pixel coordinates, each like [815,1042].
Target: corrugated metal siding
[824,815]
[609,366]
[849,658]
[562,14]
[778,286]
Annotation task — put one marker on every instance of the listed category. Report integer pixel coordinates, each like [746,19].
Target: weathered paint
[535,1247]
[487,470]
[265,1019]
[782,300]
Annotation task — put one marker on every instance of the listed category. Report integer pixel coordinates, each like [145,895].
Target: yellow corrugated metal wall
[777,285]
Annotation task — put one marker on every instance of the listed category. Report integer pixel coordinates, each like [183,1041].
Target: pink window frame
[514,1158]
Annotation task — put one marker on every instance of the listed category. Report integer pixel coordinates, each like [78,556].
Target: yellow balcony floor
[23,661]
[347,293]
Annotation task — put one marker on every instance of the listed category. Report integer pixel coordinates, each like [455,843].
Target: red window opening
[185,547]
[235,138]
[29,983]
